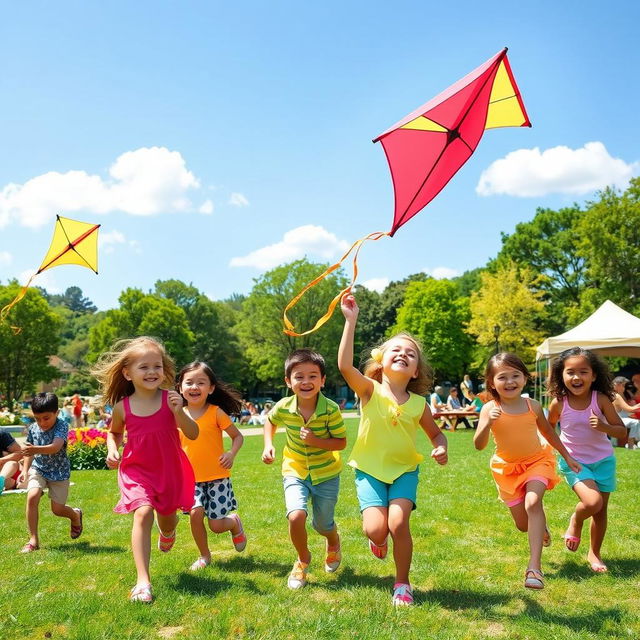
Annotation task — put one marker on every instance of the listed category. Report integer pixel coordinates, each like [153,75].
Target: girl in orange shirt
[523,465]
[209,401]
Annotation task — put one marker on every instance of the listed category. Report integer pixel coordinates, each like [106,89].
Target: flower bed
[87,448]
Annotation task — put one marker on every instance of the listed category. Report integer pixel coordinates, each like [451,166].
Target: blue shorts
[323,499]
[603,473]
[375,493]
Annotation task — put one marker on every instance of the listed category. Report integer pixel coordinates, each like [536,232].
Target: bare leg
[298,534]
[167,523]
[65,511]
[33,501]
[537,522]
[199,532]
[598,529]
[590,503]
[399,514]
[333,539]
[221,525]
[141,542]
[375,524]
[7,471]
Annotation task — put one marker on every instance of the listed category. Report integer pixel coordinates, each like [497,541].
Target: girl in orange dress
[523,465]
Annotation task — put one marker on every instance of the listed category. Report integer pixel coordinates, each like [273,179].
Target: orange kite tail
[357,245]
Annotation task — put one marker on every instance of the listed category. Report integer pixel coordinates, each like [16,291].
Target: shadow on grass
[619,568]
[348,578]
[203,584]
[87,547]
[245,564]
[458,599]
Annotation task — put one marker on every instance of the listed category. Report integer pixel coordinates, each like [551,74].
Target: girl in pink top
[582,393]
[154,473]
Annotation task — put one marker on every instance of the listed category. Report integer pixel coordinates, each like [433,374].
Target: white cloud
[376,284]
[297,243]
[238,200]
[442,273]
[206,207]
[44,280]
[530,172]
[107,240]
[5,258]
[143,182]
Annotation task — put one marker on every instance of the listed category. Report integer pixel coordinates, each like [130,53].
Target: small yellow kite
[73,242]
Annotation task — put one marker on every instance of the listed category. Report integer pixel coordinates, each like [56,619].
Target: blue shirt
[53,466]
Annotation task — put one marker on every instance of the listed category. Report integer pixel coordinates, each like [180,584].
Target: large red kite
[427,147]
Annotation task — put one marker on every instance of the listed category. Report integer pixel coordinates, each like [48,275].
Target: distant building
[65,368]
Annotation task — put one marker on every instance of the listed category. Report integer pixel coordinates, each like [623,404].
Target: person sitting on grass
[46,465]
[10,456]
[310,461]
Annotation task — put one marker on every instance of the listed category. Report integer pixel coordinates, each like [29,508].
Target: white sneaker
[298,576]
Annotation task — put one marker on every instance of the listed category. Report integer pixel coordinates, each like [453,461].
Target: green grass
[467,569]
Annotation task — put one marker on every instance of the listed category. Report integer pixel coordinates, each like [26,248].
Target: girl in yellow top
[523,465]
[209,401]
[385,458]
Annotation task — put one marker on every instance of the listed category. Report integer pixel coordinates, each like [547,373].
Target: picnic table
[449,417]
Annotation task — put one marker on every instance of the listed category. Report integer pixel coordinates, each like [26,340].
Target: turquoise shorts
[375,493]
[603,473]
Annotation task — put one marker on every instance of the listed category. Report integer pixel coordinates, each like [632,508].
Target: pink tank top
[584,443]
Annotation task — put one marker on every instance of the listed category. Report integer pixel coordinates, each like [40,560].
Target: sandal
[598,567]
[379,550]
[76,530]
[402,595]
[239,539]
[29,547]
[165,543]
[546,538]
[200,563]
[533,579]
[141,593]
[571,540]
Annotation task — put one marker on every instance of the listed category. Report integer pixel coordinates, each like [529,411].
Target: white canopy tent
[609,331]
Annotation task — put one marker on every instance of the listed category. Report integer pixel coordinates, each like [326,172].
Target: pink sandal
[379,550]
[165,543]
[141,593]
[76,530]
[239,539]
[402,594]
[29,547]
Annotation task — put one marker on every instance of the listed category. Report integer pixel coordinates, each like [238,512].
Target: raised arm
[489,412]
[438,439]
[613,426]
[360,384]
[550,435]
[185,423]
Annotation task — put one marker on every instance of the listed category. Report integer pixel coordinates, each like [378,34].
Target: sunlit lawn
[467,568]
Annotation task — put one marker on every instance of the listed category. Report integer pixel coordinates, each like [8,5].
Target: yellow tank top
[386,443]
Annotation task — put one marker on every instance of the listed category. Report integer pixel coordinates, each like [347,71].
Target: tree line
[550,274]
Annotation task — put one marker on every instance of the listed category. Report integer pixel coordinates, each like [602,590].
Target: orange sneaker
[332,560]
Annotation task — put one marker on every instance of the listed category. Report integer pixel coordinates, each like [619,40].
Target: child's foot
[29,547]
[165,543]
[200,563]
[379,550]
[333,558]
[572,535]
[546,538]
[239,539]
[533,579]
[402,594]
[595,563]
[76,529]
[141,593]
[298,576]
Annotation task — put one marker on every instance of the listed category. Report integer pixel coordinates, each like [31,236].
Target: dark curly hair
[602,383]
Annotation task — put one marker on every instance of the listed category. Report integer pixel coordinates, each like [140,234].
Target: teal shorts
[375,493]
[603,473]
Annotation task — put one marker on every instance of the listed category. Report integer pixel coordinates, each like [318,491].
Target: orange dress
[521,455]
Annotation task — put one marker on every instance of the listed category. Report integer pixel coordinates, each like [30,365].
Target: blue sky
[215,140]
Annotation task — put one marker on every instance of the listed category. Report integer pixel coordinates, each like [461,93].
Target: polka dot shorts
[216,497]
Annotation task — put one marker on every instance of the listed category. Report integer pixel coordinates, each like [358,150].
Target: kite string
[357,245]
[4,312]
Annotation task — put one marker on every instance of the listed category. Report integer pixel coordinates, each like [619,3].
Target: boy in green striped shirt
[311,465]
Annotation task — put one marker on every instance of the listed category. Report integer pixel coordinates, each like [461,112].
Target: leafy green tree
[508,309]
[260,329]
[144,314]
[434,313]
[609,234]
[24,356]
[73,299]
[81,382]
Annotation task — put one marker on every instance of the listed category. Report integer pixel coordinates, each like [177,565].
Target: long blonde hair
[420,384]
[108,368]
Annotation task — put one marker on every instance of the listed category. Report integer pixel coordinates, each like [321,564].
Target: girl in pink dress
[154,474]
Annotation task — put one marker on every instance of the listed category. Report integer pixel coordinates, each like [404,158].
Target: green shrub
[84,456]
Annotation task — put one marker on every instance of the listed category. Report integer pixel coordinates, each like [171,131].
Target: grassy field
[467,569]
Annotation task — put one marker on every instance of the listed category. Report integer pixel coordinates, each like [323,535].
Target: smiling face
[508,382]
[195,387]
[146,370]
[306,380]
[578,375]
[400,356]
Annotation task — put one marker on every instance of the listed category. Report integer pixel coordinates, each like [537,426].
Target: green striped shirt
[299,459]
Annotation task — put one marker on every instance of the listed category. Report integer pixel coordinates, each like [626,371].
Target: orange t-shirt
[204,452]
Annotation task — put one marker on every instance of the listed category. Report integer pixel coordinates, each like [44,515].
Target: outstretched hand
[495,412]
[175,400]
[349,307]
[440,455]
